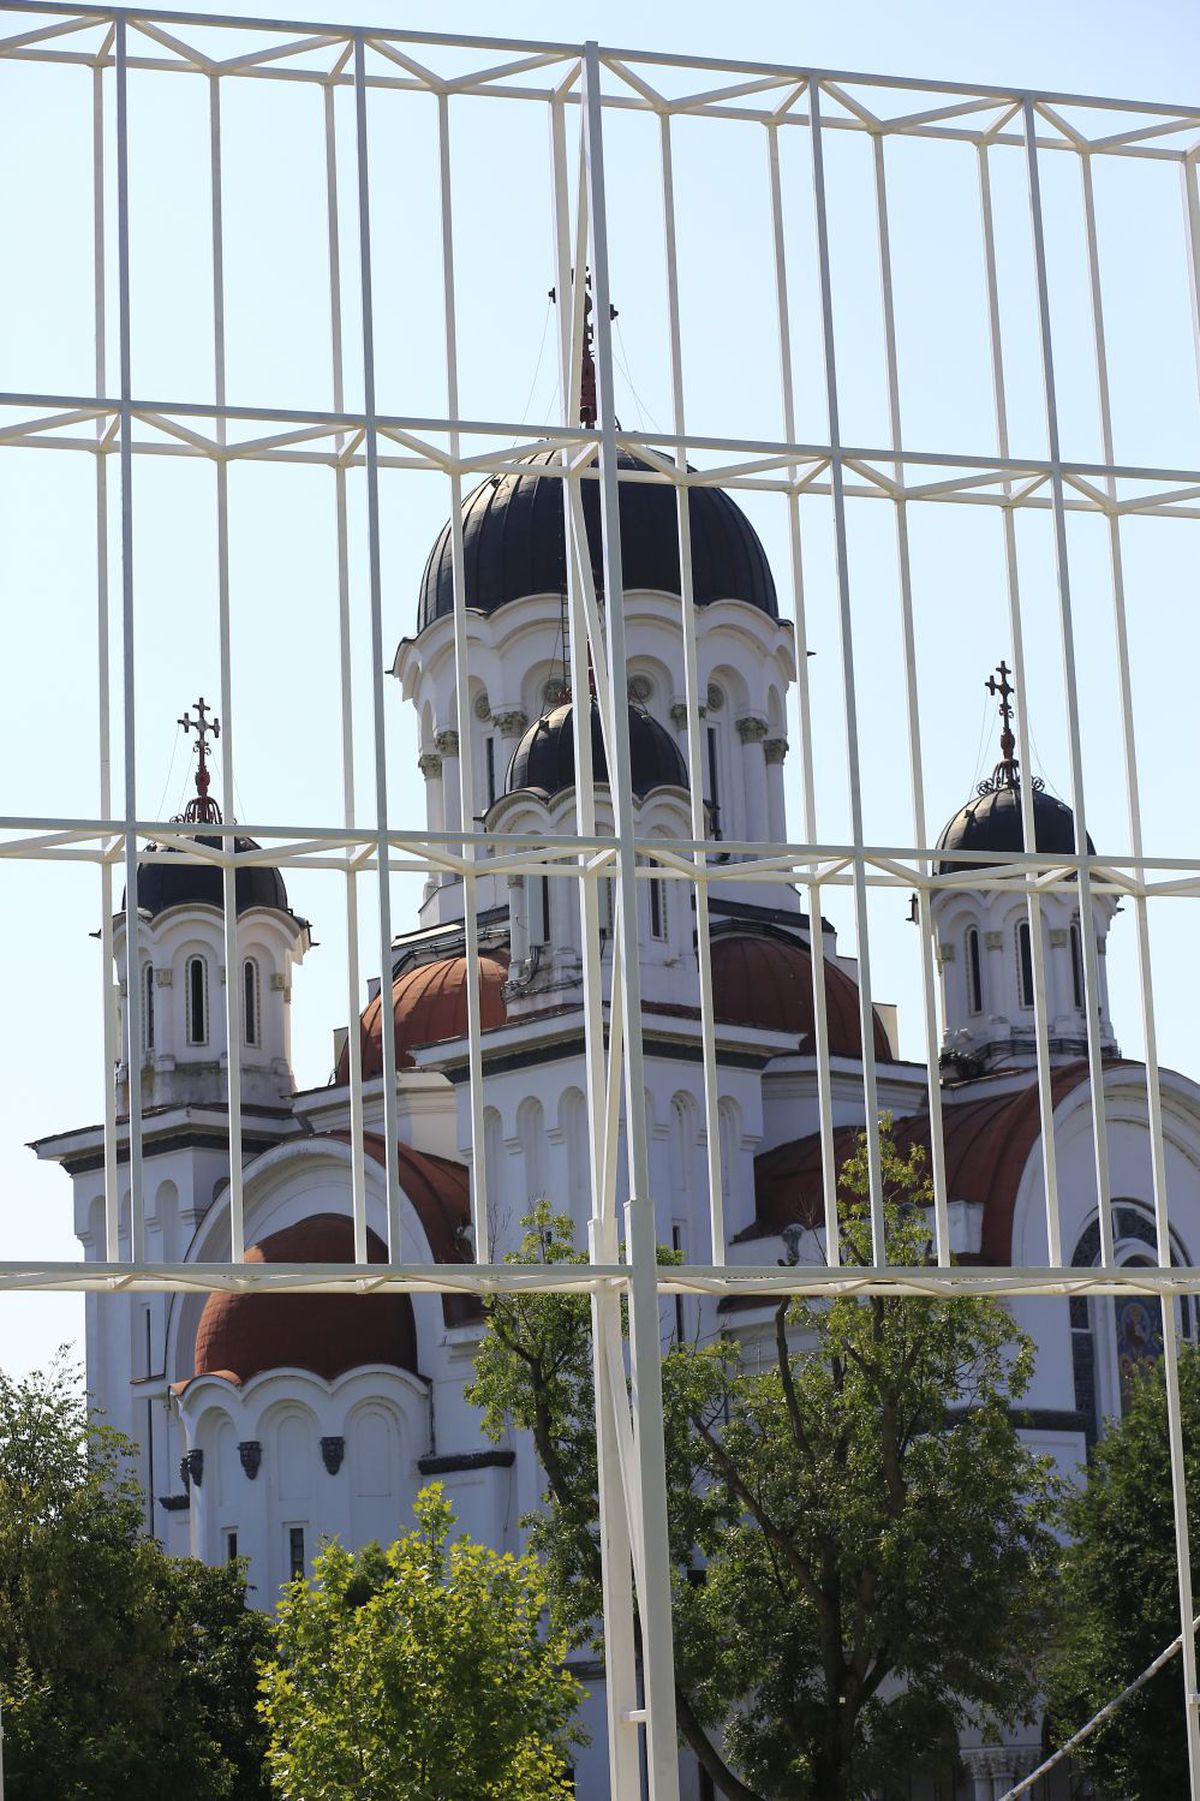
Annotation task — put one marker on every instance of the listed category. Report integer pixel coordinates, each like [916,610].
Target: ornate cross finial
[1007,771]
[202,809]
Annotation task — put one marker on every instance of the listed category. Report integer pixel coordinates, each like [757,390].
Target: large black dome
[514,543]
[163,885]
[545,757]
[992,822]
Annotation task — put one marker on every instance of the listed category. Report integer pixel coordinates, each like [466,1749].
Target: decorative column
[447,746]
[774,751]
[430,765]
[511,723]
[753,734]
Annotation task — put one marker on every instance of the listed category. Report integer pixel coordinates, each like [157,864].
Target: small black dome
[992,822]
[514,543]
[545,757]
[163,885]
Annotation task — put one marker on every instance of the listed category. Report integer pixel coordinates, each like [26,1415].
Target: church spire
[202,809]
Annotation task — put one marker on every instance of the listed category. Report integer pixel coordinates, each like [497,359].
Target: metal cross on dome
[202,809]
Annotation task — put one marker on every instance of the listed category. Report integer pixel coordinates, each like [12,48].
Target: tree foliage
[1121,1599]
[875,1541]
[419,1673]
[123,1673]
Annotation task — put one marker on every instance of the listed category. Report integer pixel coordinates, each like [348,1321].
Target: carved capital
[994,941]
[752,730]
[1058,938]
[679,714]
[333,1450]
[511,723]
[775,749]
[446,741]
[250,1453]
[430,764]
[278,983]
[946,953]
[164,978]
[191,1469]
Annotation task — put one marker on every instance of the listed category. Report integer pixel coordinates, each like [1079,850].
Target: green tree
[419,1673]
[876,1542]
[123,1673]
[1120,1597]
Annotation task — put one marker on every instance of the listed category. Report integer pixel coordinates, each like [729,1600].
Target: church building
[266,1423]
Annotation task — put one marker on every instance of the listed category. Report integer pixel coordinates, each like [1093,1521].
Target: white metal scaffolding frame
[579,88]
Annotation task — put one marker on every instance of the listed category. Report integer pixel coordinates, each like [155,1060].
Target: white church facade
[265,1423]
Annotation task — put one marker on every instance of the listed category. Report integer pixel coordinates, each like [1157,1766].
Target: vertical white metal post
[481,1230]
[133,996]
[866,1013]
[644,1323]
[1024,737]
[937,1149]
[387,1036]
[691,695]
[620,1658]
[111,1036]
[233,976]
[1066,627]
[816,936]
[358,1176]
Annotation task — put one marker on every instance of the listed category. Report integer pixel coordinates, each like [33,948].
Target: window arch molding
[1099,1324]
[251,1002]
[195,992]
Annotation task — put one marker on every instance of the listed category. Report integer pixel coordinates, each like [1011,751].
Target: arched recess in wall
[572,1119]
[730,1119]
[373,1445]
[531,1130]
[683,1147]
[492,1141]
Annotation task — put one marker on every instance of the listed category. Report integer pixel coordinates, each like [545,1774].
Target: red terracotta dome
[242,1334]
[429,1005]
[767,982]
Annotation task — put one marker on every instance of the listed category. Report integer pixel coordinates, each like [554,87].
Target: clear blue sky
[286,695]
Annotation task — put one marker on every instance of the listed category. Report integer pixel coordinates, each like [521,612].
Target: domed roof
[429,1005]
[163,885]
[514,543]
[992,822]
[768,982]
[242,1334]
[545,757]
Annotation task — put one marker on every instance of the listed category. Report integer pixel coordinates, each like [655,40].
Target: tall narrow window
[1024,965]
[658,910]
[1077,964]
[251,1024]
[714,780]
[231,1550]
[148,1009]
[197,1001]
[295,1551]
[974,973]
[677,1246]
[539,910]
[489,768]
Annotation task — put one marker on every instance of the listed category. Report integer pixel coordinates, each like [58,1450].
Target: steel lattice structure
[578,88]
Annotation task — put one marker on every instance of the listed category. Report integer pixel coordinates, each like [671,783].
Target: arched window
[197,1001]
[1077,964]
[148,1009]
[1024,965]
[251,1010]
[974,973]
